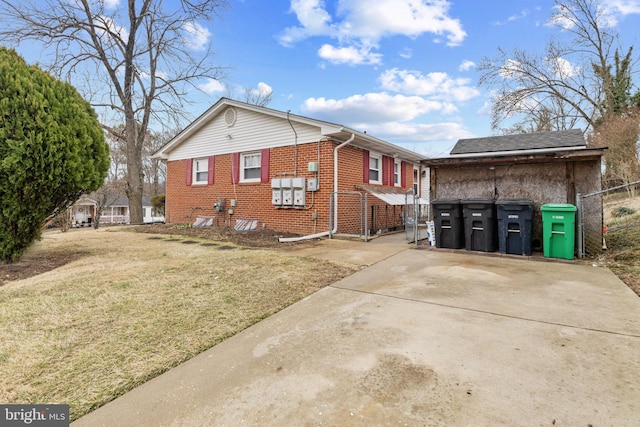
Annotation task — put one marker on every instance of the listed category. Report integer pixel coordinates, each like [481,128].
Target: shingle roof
[572,138]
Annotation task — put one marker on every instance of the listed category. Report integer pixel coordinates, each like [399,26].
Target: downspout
[335,181]
[335,189]
[295,157]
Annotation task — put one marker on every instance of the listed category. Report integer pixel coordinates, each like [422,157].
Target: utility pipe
[335,181]
[335,190]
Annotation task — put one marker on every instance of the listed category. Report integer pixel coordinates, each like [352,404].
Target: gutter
[516,152]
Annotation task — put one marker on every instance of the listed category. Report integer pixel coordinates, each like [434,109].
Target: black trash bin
[479,224]
[447,218]
[514,226]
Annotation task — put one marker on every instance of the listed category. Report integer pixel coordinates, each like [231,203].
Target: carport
[545,167]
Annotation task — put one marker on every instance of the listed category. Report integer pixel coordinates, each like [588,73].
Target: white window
[396,173]
[375,169]
[416,179]
[250,167]
[200,171]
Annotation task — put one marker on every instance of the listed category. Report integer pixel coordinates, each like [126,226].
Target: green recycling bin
[558,230]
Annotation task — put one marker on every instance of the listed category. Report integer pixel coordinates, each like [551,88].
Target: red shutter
[212,168]
[235,168]
[365,167]
[385,169]
[264,165]
[403,174]
[189,175]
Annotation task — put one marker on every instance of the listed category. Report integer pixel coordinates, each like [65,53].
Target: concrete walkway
[420,337]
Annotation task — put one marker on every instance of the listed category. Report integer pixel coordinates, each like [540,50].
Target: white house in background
[83,212]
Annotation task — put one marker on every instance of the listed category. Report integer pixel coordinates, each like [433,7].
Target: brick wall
[253,200]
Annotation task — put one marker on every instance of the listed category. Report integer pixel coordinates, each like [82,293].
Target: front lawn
[131,306]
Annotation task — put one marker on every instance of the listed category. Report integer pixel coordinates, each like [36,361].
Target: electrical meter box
[287,192]
[312,184]
[299,191]
[219,205]
[314,166]
[276,191]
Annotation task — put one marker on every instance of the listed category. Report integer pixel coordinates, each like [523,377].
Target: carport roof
[515,157]
[389,196]
[572,139]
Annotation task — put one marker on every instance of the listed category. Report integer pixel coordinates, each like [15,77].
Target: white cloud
[608,13]
[364,22]
[406,53]
[314,21]
[197,36]
[373,108]
[510,68]
[466,65]
[108,28]
[437,85]
[348,55]
[375,19]
[523,14]
[262,89]
[562,68]
[111,4]
[624,7]
[212,86]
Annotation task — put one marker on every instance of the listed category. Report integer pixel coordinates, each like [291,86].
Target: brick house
[243,164]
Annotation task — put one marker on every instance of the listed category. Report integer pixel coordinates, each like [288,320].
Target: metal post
[581,250]
[331,213]
[366,217]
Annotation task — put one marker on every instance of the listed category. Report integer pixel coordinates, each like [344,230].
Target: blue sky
[402,70]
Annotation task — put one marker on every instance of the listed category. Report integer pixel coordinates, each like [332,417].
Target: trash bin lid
[519,202]
[479,200]
[558,207]
[445,202]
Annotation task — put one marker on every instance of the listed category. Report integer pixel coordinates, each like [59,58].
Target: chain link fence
[416,217]
[620,213]
[350,207]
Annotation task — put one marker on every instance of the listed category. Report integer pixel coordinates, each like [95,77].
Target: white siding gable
[251,131]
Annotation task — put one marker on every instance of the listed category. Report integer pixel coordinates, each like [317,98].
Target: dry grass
[133,306]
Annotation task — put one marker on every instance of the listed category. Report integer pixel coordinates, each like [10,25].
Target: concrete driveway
[422,337]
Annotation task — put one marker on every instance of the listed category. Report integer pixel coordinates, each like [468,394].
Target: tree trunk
[135,174]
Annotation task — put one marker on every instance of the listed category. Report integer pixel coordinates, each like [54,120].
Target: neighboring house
[82,212]
[116,211]
[277,170]
[545,167]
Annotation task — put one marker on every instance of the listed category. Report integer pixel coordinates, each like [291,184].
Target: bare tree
[105,197]
[155,169]
[569,83]
[140,58]
[620,135]
[260,95]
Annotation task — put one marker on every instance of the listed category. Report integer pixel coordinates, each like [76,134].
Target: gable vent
[230,116]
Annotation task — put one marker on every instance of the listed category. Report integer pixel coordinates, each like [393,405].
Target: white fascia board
[517,152]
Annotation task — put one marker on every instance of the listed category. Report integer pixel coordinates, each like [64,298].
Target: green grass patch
[132,308]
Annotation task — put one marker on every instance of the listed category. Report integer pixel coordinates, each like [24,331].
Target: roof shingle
[526,141]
